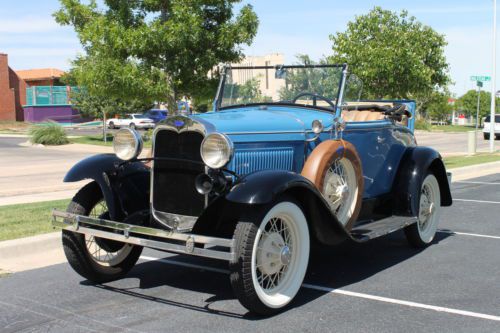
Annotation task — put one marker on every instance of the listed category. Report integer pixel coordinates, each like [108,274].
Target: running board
[171,241]
[367,231]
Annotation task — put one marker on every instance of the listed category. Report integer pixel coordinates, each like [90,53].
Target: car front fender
[117,180]
[415,164]
[264,187]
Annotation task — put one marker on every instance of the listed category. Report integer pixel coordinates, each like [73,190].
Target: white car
[132,121]
[486,128]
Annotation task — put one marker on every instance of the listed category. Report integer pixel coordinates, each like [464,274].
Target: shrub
[422,124]
[48,134]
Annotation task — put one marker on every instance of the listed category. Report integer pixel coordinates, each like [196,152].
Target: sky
[32,39]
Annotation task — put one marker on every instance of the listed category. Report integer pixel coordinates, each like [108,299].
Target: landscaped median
[30,219]
[468,160]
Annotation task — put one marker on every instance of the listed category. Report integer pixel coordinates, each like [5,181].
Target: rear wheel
[422,233]
[96,259]
[111,125]
[132,125]
[271,258]
[340,189]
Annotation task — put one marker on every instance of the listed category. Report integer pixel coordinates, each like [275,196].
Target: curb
[473,171]
[27,253]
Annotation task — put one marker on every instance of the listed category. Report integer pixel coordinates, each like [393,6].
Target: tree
[467,103]
[438,107]
[154,50]
[321,81]
[393,54]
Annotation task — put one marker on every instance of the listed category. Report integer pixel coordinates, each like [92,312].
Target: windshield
[311,85]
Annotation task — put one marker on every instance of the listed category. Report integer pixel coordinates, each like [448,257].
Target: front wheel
[271,258]
[96,259]
[422,233]
[132,126]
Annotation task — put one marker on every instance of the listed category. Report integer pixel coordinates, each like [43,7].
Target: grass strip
[462,161]
[25,220]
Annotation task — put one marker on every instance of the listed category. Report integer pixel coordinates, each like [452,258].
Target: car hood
[269,120]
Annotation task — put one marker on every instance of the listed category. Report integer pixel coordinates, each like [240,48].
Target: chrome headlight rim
[229,145]
[138,144]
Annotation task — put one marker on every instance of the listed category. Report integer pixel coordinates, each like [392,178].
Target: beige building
[269,85]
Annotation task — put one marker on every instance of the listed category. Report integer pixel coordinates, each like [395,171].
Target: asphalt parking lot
[383,285]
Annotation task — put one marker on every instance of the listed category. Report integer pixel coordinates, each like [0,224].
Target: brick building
[13,86]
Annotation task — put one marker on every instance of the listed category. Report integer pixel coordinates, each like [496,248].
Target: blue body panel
[274,137]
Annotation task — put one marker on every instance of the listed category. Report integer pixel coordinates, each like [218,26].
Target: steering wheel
[314,96]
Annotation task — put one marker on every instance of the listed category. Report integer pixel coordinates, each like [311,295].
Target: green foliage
[97,106]
[154,50]
[467,103]
[248,92]
[438,108]
[321,81]
[393,54]
[422,124]
[48,134]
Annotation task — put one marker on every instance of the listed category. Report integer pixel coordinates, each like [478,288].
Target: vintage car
[290,157]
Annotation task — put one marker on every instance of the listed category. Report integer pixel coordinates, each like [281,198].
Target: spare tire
[334,167]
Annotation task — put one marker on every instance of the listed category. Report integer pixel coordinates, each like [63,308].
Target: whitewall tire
[422,233]
[271,261]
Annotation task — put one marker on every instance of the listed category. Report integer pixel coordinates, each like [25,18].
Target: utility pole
[479,85]
[493,81]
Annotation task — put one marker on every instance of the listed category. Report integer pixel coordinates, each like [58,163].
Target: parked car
[487,124]
[272,170]
[132,121]
[156,115]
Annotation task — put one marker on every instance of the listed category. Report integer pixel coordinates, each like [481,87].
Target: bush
[422,124]
[48,134]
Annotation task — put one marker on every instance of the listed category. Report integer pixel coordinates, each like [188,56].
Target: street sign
[480,78]
[480,84]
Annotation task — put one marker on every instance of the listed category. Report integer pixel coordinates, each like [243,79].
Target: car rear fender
[415,164]
[125,186]
[262,188]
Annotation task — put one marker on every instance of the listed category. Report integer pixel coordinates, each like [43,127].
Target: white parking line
[479,201]
[467,234]
[471,182]
[344,292]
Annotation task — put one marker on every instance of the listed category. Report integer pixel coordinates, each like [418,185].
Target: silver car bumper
[197,245]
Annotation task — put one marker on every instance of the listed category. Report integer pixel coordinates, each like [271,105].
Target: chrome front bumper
[197,245]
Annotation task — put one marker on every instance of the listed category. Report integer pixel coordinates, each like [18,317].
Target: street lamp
[493,81]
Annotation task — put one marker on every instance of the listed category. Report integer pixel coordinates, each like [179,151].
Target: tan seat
[357,116]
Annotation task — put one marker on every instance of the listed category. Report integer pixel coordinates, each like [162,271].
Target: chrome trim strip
[177,124]
[121,232]
[326,130]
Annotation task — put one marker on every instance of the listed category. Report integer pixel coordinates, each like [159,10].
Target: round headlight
[127,144]
[216,150]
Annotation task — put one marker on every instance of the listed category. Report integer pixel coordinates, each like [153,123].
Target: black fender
[414,166]
[125,185]
[262,188]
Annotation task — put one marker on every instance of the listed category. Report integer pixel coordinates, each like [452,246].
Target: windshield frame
[338,101]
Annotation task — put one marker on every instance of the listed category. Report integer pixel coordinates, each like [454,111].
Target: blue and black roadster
[290,156]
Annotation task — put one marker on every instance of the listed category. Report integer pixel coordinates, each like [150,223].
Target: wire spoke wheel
[104,251]
[422,233]
[272,257]
[340,189]
[274,253]
[429,208]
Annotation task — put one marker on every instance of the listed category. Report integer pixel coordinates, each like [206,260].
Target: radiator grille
[251,160]
[174,180]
